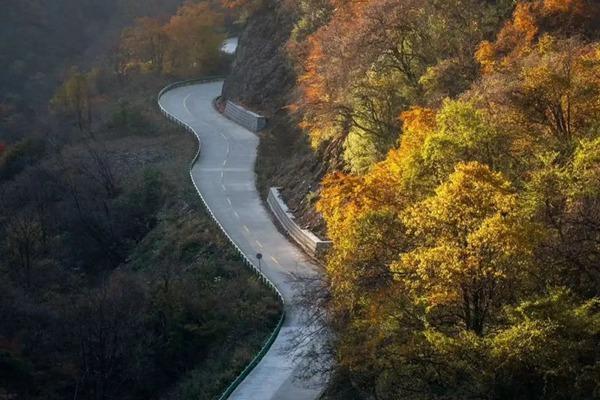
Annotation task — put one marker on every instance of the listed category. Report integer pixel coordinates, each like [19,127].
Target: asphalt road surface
[224,176]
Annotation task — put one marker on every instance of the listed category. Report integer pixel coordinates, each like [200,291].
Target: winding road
[225,179]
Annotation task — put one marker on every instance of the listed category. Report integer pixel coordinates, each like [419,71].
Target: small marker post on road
[259,257]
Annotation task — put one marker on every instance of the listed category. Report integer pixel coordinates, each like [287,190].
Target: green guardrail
[269,342]
[250,367]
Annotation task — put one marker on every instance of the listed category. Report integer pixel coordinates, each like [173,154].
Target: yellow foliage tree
[471,248]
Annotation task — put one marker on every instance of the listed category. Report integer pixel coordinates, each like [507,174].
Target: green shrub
[128,119]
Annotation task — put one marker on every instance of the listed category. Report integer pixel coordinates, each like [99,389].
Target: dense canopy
[464,201]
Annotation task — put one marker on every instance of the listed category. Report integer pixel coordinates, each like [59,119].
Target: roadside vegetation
[466,220]
[114,282]
[458,147]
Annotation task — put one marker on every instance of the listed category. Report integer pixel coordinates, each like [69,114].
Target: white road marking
[185,104]
[275,260]
[259,244]
[229,200]
[225,162]
[223,187]
[246,229]
[219,169]
[228,146]
[236,214]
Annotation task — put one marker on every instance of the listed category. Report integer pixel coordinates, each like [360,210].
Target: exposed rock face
[261,77]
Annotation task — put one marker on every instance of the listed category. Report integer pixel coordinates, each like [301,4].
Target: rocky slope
[261,76]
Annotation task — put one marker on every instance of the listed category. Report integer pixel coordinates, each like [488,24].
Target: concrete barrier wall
[305,238]
[243,117]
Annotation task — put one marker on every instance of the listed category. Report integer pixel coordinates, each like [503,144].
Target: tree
[24,242]
[549,97]
[371,60]
[146,43]
[105,324]
[465,259]
[194,41]
[548,349]
[187,44]
[463,132]
[74,98]
[530,21]
[565,200]
[472,250]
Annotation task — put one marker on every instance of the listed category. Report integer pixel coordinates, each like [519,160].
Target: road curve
[224,176]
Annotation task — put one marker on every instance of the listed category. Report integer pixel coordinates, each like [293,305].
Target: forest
[449,149]
[453,153]
[464,198]
[114,281]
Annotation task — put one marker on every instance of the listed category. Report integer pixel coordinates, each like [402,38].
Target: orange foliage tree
[371,60]
[194,40]
[145,42]
[531,20]
[461,260]
[188,44]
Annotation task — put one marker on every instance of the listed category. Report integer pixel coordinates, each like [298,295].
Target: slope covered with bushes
[114,281]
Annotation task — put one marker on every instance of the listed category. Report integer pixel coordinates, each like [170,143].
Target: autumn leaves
[466,231]
[186,45]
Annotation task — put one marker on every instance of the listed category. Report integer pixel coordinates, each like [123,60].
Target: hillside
[114,280]
[450,151]
[42,39]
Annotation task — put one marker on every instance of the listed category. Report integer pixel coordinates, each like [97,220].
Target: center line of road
[259,244]
[275,260]
[185,104]
[229,200]
[246,229]
[223,187]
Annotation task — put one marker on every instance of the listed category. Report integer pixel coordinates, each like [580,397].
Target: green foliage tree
[74,98]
